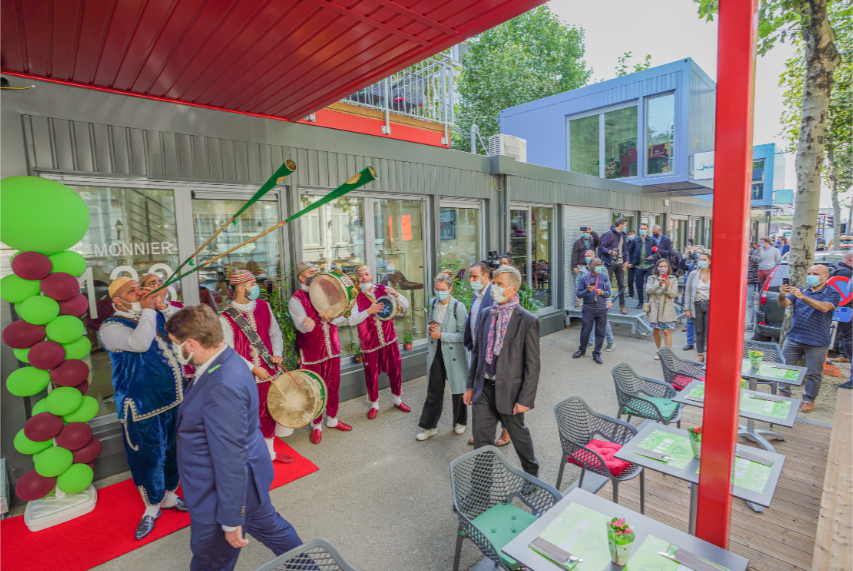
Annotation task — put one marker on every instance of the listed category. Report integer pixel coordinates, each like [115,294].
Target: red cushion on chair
[680,381]
[606,450]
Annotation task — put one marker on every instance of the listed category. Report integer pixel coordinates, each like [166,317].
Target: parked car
[768,318]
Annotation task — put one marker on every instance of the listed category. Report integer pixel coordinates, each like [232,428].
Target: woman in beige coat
[661,290]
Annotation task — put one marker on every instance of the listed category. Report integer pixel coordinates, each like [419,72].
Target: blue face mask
[477,285]
[442,295]
[586,236]
[255,292]
[813,280]
[600,269]
[588,260]
[643,232]
[702,264]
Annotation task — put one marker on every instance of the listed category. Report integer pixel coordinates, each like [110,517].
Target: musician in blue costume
[148,384]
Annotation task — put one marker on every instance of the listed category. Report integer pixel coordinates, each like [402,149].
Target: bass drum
[332,294]
[297,398]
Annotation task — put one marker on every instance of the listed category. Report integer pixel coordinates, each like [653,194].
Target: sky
[671,30]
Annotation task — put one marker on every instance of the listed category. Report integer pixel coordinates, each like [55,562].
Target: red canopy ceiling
[279,58]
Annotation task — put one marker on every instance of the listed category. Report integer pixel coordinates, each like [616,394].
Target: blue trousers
[593,319]
[608,334]
[691,333]
[151,451]
[640,277]
[212,553]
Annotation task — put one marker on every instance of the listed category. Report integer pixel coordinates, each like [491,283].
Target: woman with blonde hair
[446,358]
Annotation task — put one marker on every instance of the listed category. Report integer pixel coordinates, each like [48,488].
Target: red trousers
[330,370]
[384,360]
[267,423]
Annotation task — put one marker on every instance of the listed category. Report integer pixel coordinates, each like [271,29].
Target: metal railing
[424,91]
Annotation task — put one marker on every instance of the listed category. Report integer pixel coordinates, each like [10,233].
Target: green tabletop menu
[750,475]
[771,370]
[776,409]
[675,446]
[582,532]
[648,558]
[698,391]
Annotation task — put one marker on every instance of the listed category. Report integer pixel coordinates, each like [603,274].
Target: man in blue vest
[148,384]
[221,451]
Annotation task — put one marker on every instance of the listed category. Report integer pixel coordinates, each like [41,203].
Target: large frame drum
[332,294]
[295,404]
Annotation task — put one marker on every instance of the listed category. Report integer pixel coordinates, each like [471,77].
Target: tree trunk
[821,59]
[836,205]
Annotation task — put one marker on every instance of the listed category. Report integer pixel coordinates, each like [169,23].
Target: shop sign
[783,197]
[135,249]
[703,165]
[782,219]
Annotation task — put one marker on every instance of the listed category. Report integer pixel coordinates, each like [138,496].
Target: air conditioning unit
[509,146]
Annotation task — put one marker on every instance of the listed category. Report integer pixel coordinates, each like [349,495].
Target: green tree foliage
[623,66]
[532,56]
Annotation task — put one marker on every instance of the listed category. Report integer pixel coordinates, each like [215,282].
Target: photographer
[613,253]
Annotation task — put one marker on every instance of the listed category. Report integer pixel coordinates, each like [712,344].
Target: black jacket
[579,249]
[665,247]
[841,269]
[608,243]
[635,249]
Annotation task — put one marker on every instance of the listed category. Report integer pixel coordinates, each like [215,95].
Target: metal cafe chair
[679,372]
[315,555]
[484,486]
[772,354]
[589,439]
[644,397]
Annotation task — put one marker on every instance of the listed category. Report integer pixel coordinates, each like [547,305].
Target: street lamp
[118,229]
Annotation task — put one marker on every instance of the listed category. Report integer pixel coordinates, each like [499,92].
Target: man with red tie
[318,346]
[378,340]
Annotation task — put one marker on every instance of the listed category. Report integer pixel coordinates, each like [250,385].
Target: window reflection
[543,229]
[459,233]
[620,143]
[583,145]
[518,240]
[660,123]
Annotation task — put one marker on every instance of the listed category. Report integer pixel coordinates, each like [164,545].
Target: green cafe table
[754,405]
[753,480]
[577,524]
[772,372]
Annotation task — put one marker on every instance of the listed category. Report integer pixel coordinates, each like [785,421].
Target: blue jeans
[608,334]
[691,333]
[751,299]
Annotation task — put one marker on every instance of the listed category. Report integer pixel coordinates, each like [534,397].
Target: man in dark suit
[224,463]
[664,245]
[508,333]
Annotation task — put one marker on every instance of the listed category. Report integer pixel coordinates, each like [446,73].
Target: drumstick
[366,175]
[287,168]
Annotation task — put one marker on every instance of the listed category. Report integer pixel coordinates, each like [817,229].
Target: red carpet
[107,532]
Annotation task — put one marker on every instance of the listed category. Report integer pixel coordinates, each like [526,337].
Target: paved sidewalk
[382,497]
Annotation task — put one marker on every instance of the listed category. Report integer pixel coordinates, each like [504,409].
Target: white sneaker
[460,429]
[426,434]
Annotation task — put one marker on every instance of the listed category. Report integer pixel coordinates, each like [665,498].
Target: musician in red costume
[378,340]
[250,328]
[319,348]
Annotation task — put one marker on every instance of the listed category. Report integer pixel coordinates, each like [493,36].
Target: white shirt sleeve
[169,311]
[228,528]
[402,301]
[117,337]
[356,317]
[276,337]
[227,332]
[339,320]
[297,312]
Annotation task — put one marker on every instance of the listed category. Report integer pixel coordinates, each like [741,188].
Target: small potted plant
[356,352]
[620,539]
[695,435]
[408,339]
[755,358]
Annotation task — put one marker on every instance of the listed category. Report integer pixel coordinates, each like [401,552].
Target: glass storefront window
[132,232]
[758,180]
[630,217]
[339,246]
[583,145]
[620,143]
[399,239]
[459,237]
[678,234]
[660,132]
[262,257]
[542,235]
[518,240]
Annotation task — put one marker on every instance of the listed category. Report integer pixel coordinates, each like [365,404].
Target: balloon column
[42,219]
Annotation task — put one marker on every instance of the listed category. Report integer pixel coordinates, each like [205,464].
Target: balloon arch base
[59,508]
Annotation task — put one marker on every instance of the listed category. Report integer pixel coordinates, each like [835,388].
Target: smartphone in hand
[786,281]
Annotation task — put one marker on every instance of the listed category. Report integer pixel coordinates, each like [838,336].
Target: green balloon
[26,446]
[68,262]
[16,290]
[27,381]
[63,400]
[53,462]
[75,479]
[40,406]
[41,215]
[65,329]
[78,349]
[21,355]
[38,310]
[87,410]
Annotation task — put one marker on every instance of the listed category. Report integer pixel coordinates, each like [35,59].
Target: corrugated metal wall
[703,99]
[533,190]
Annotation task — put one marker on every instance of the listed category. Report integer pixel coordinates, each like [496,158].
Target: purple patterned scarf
[500,319]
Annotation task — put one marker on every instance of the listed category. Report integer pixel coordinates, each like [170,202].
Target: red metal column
[738,23]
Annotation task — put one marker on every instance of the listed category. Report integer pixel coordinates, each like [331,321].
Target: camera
[493,260]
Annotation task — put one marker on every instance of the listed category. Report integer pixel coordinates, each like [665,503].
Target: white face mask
[179,353]
[366,287]
[499,294]
[135,308]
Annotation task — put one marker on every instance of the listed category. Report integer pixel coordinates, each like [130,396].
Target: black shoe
[640,305]
[180,505]
[688,348]
[847,385]
[578,354]
[146,526]
[597,359]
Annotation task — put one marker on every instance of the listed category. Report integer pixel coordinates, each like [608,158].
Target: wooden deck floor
[782,538]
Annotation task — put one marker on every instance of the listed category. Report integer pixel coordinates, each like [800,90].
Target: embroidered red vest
[321,344]
[374,333]
[261,317]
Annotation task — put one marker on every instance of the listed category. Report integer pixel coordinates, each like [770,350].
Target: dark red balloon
[89,452]
[31,486]
[83,387]
[31,265]
[43,426]
[70,373]
[60,286]
[75,307]
[74,436]
[23,335]
[46,355]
